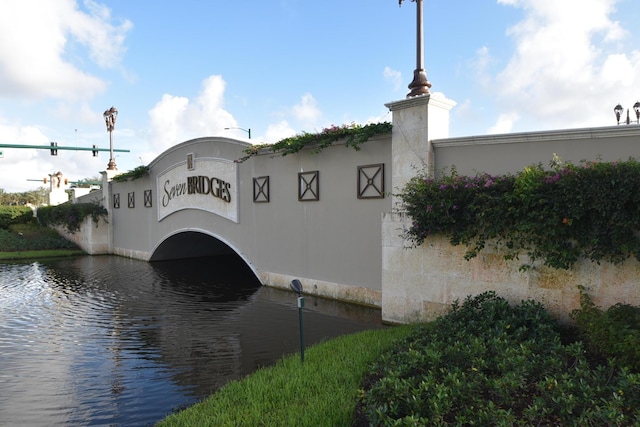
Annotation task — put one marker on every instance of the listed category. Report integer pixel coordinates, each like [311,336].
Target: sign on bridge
[207,184]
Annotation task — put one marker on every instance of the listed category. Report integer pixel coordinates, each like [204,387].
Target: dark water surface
[111,341]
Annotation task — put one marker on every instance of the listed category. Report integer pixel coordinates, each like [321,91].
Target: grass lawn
[51,253]
[324,391]
[32,241]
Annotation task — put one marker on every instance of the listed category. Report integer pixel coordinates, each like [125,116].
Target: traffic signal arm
[57,147]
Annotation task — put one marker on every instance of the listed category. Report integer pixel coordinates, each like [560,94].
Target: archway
[190,244]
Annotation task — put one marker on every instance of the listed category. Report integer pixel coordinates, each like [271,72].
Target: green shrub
[15,215]
[611,334]
[133,174]
[488,363]
[71,215]
[32,237]
[353,136]
[557,215]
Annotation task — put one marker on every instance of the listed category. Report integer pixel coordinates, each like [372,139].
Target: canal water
[105,340]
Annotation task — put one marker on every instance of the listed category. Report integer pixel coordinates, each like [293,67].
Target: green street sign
[1,154]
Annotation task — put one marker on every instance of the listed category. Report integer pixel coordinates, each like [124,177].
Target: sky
[182,70]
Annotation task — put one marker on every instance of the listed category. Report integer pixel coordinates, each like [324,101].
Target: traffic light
[95,150]
[54,150]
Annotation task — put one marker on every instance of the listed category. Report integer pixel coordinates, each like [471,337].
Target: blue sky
[179,70]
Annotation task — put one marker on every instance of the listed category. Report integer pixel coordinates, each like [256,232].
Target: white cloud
[564,60]
[166,121]
[504,124]
[175,119]
[278,131]
[393,76]
[481,64]
[35,43]
[15,161]
[307,110]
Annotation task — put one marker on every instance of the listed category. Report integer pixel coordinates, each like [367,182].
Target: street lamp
[110,120]
[618,110]
[246,130]
[420,85]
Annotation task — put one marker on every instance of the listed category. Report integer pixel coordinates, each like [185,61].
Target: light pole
[618,111]
[296,286]
[110,120]
[420,85]
[248,131]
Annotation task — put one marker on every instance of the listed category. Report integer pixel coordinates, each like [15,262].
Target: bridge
[311,216]
[330,219]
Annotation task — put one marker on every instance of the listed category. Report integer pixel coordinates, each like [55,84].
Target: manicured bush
[14,215]
[558,215]
[489,363]
[611,334]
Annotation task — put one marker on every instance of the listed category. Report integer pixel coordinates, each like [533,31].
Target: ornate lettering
[172,192]
[217,187]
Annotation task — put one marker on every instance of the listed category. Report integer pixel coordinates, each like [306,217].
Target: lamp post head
[636,108]
[110,118]
[296,286]
[618,111]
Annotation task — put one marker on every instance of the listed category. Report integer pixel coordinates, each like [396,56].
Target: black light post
[110,120]
[420,85]
[618,110]
[297,287]
[248,131]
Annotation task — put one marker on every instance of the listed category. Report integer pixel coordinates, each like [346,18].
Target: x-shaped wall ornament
[147,199]
[371,181]
[308,186]
[261,189]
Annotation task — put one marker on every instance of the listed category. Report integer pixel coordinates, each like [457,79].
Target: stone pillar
[107,203]
[416,122]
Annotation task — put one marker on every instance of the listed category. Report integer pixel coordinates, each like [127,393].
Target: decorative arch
[194,243]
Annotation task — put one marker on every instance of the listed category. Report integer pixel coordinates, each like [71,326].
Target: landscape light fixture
[618,110]
[248,131]
[296,286]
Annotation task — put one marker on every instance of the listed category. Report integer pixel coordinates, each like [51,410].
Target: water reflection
[112,341]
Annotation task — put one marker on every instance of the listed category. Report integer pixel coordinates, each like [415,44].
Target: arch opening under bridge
[189,244]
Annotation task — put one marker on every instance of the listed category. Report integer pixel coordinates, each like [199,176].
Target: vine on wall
[133,174]
[555,215]
[70,215]
[353,134]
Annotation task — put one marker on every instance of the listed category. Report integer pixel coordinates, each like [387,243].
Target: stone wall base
[418,284]
[130,253]
[92,239]
[335,291]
